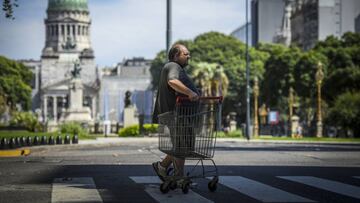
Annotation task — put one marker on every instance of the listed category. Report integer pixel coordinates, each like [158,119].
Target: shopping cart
[189,132]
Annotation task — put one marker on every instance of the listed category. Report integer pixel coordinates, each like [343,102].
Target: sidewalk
[116,140]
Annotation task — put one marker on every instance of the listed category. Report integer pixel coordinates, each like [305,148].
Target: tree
[229,53]
[343,67]
[279,74]
[15,81]
[8,6]
[210,77]
[346,112]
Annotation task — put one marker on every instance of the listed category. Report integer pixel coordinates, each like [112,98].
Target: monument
[129,111]
[76,111]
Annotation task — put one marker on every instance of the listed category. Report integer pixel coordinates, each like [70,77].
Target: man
[173,81]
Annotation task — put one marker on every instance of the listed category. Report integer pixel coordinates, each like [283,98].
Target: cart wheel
[185,188]
[164,187]
[173,185]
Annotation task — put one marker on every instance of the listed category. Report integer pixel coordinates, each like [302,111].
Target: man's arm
[178,86]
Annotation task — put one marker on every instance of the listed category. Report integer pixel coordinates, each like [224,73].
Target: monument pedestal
[129,117]
[294,126]
[77,112]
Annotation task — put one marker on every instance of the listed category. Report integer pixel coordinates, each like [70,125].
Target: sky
[122,28]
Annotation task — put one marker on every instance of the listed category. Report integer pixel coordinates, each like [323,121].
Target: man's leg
[160,167]
[179,166]
[166,162]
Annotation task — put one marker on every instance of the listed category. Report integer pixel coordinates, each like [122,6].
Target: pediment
[64,86]
[61,85]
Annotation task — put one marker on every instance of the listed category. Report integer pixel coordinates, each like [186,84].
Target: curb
[286,141]
[14,153]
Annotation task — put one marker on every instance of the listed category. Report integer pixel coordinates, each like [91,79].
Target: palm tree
[211,78]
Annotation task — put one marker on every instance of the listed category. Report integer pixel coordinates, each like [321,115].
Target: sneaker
[160,171]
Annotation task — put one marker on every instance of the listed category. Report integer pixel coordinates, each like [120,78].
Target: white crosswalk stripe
[330,185]
[74,190]
[260,191]
[176,195]
[83,189]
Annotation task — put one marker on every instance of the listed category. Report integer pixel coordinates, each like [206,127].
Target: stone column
[55,108]
[45,108]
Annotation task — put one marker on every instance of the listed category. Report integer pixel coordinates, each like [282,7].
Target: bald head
[180,54]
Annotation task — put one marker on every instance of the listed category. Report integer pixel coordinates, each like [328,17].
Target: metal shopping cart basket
[189,132]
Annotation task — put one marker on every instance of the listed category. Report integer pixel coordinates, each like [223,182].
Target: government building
[67,45]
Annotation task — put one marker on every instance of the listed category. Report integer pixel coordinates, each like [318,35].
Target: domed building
[67,43]
[68,48]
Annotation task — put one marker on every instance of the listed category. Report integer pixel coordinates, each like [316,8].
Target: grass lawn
[238,134]
[10,134]
[314,139]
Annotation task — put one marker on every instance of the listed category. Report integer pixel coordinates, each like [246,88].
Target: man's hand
[193,96]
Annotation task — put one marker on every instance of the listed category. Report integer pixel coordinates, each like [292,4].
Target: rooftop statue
[75,73]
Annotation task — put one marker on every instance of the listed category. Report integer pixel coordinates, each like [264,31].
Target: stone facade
[314,20]
[67,42]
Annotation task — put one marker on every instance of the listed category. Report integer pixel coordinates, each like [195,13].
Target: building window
[62,30]
[56,30]
[79,30]
[68,29]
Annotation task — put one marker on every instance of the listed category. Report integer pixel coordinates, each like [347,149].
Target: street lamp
[168,25]
[319,77]
[256,95]
[291,102]
[247,75]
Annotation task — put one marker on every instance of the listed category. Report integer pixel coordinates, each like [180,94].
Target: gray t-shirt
[166,96]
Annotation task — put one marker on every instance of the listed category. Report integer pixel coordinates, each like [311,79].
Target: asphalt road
[122,172]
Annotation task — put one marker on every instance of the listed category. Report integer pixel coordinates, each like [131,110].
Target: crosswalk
[83,189]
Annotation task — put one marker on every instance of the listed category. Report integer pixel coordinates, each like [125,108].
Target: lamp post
[247,75]
[168,25]
[291,102]
[319,77]
[256,95]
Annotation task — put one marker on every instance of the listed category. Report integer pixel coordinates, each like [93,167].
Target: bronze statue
[75,73]
[127,99]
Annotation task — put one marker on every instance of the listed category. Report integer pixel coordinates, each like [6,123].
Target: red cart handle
[179,99]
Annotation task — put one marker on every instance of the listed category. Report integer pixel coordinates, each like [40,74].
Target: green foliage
[278,68]
[131,131]
[229,53]
[73,128]
[155,68]
[304,73]
[279,73]
[343,67]
[346,112]
[210,78]
[232,134]
[27,120]
[150,128]
[15,81]
[8,6]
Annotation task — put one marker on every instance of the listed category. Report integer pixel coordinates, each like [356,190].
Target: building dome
[67,5]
